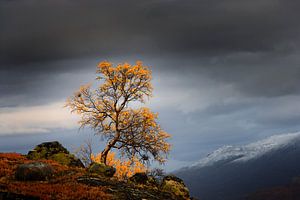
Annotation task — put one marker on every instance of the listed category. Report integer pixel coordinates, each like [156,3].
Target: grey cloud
[259,74]
[34,31]
[251,74]
[245,43]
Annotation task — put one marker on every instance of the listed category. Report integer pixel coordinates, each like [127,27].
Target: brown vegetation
[62,186]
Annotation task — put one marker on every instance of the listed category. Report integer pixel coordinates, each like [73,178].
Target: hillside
[234,172]
[23,178]
[290,191]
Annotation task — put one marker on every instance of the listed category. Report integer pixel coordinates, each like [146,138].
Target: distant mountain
[233,172]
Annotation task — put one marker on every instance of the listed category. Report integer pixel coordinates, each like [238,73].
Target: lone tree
[106,109]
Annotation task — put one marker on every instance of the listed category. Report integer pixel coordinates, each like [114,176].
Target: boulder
[176,186]
[35,171]
[54,151]
[102,169]
[142,178]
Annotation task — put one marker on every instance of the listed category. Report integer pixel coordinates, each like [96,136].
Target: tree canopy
[106,109]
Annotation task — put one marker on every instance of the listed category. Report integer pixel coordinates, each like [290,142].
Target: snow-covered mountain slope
[248,152]
[233,172]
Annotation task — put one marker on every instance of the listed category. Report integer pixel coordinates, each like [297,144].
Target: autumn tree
[107,110]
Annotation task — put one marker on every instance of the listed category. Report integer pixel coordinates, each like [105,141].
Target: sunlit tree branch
[135,132]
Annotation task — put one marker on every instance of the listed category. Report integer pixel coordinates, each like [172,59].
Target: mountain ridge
[249,151]
[233,172]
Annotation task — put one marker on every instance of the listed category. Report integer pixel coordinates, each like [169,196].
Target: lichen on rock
[54,151]
[176,186]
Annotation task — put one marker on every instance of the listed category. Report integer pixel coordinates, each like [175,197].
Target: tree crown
[135,132]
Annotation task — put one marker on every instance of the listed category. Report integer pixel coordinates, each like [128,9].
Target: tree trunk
[104,154]
[108,148]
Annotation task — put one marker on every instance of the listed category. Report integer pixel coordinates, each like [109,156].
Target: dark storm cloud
[253,45]
[35,31]
[265,75]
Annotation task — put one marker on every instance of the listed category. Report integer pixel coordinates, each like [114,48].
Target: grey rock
[35,171]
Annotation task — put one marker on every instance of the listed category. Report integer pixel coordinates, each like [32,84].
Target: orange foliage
[125,168]
[135,132]
[63,191]
[12,156]
[8,161]
[62,186]
[4,169]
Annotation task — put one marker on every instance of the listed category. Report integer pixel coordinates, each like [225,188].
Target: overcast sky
[224,72]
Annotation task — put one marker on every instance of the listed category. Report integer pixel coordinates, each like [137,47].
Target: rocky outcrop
[54,151]
[102,169]
[35,171]
[125,190]
[176,186]
[23,179]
